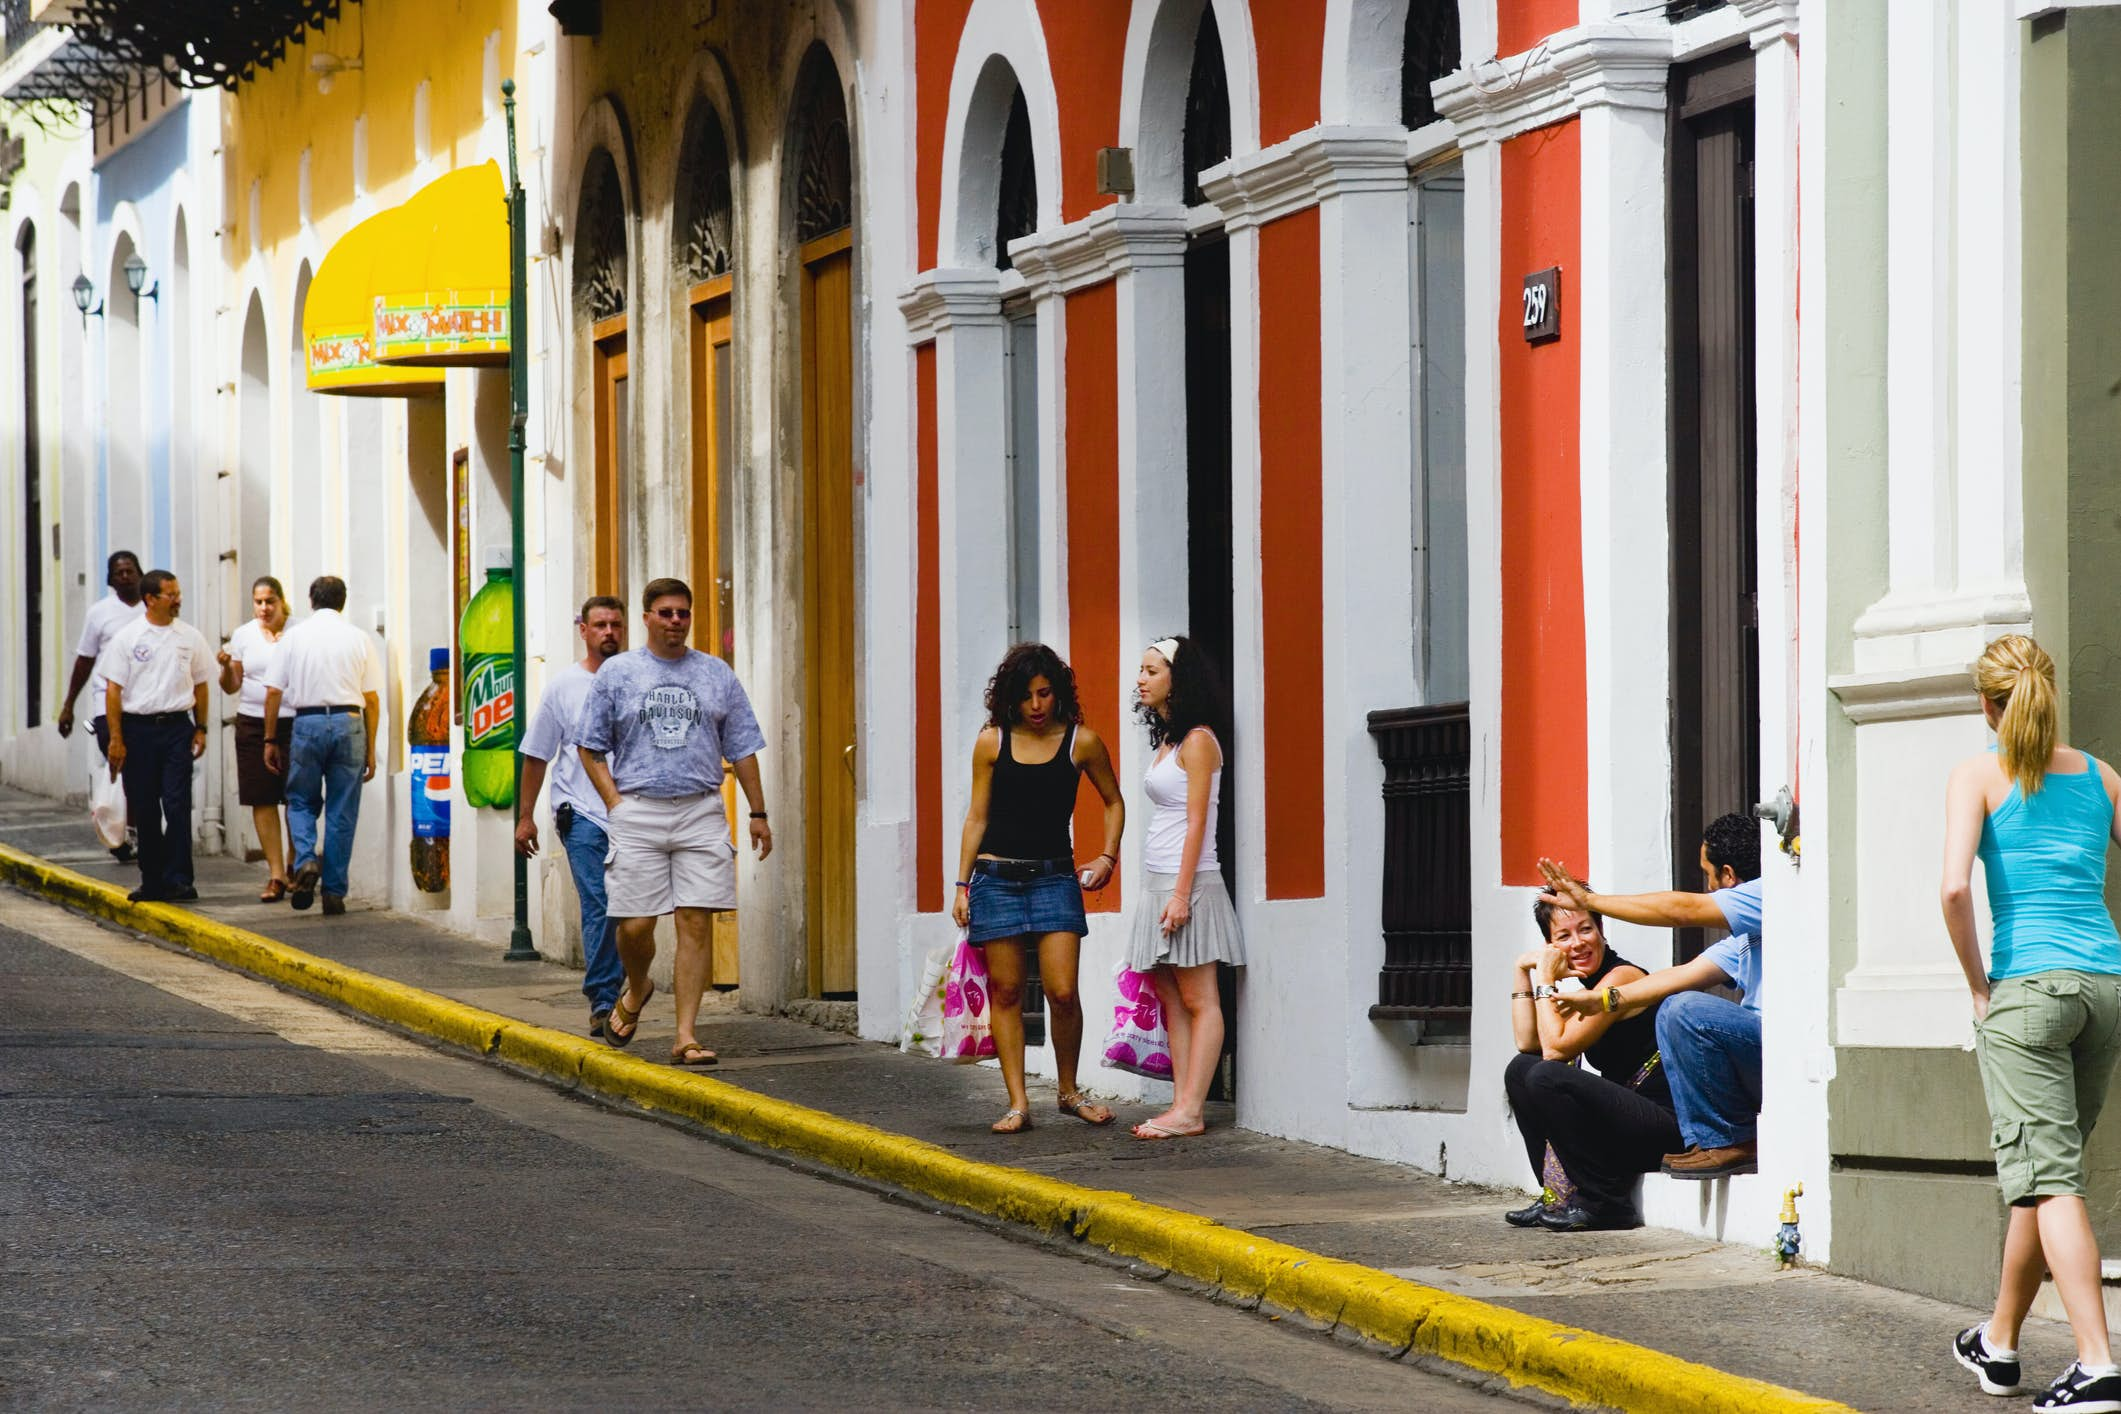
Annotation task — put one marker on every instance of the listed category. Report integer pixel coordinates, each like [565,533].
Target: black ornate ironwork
[706,207]
[1207,135]
[1431,52]
[600,243]
[1428,871]
[192,43]
[824,189]
[1018,213]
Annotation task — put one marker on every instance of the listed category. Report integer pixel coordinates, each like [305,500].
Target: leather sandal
[1013,1122]
[626,1016]
[1089,1111]
[275,890]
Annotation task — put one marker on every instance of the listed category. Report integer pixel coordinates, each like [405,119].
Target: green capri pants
[2047,1050]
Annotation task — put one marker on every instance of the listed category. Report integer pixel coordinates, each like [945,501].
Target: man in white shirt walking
[114,611]
[577,810]
[155,712]
[329,673]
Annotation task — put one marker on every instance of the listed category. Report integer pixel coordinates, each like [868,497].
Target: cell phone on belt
[563,817]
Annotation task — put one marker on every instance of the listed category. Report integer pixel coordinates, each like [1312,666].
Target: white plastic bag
[922,1031]
[106,806]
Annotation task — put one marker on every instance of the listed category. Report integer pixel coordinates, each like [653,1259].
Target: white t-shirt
[249,646]
[553,737]
[157,666]
[105,618]
[324,661]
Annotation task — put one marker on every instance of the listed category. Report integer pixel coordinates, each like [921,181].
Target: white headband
[1168,647]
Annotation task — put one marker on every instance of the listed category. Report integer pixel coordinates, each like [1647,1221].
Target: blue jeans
[602,974]
[325,758]
[1711,1051]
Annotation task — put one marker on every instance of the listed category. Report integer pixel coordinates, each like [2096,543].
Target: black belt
[324,711]
[180,715]
[1018,870]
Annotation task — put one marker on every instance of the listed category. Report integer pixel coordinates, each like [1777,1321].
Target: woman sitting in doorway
[1587,1135]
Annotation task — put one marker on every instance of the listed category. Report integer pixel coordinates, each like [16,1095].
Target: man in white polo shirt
[155,711]
[329,673]
[116,610]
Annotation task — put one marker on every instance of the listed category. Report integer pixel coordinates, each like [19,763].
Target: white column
[1149,252]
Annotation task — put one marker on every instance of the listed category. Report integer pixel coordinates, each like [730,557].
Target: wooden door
[1715,485]
[714,541]
[612,408]
[828,608]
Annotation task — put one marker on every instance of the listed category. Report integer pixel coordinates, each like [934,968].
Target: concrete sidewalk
[1715,1304]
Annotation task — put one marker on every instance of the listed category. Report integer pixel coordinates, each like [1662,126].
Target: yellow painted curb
[1577,1365]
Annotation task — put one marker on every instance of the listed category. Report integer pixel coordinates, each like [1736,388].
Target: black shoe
[1997,1376]
[1527,1216]
[1574,1219]
[596,1022]
[305,891]
[123,853]
[334,905]
[144,894]
[2081,1393]
[184,895]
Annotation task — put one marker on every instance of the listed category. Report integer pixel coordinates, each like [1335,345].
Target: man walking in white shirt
[577,810]
[114,611]
[155,713]
[329,673]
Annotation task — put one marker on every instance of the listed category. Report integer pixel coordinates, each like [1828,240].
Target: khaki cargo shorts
[669,854]
[2047,1050]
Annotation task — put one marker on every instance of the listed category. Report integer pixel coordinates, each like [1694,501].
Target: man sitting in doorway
[1710,1046]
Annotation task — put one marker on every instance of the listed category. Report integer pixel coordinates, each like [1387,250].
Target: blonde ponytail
[2017,675]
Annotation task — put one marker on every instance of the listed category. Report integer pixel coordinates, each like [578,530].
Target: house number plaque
[1542,305]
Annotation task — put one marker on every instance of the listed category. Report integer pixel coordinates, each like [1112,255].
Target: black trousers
[1604,1133]
[157,777]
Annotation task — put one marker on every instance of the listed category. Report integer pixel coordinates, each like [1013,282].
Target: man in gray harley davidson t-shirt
[656,727]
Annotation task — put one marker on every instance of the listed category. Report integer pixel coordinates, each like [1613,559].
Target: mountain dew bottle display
[490,691]
[427,740]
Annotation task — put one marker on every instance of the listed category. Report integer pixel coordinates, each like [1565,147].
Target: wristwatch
[1541,991]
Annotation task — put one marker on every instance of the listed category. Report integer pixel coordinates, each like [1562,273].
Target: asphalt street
[213,1194]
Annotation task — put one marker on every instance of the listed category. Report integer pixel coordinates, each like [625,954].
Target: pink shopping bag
[1138,1042]
[966,1037]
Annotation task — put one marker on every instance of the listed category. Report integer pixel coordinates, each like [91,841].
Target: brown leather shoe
[1715,1163]
[334,905]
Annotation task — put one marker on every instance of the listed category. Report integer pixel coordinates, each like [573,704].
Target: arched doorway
[600,267]
[306,504]
[706,261]
[32,491]
[129,496]
[824,234]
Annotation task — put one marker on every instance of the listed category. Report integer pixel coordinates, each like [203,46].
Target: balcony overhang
[84,51]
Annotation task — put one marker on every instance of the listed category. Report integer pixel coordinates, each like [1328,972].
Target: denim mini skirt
[1009,908]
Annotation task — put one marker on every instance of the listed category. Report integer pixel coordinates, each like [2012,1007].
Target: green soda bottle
[487,633]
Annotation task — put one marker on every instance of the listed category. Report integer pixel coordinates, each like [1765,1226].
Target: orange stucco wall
[1086,40]
[927,645]
[1291,40]
[1291,530]
[936,27]
[1520,24]
[1545,722]
[1092,367]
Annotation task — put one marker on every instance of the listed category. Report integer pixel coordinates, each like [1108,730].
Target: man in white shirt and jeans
[155,711]
[116,610]
[577,810]
[328,671]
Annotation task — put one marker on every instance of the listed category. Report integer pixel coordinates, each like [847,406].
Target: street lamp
[84,291]
[136,276]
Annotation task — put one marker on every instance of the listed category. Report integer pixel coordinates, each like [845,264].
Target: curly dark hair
[1543,914]
[1734,840]
[1011,684]
[1197,699]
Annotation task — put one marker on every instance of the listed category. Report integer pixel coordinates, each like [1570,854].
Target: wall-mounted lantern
[84,291]
[136,276]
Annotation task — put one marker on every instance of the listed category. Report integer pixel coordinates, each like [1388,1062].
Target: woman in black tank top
[1017,886]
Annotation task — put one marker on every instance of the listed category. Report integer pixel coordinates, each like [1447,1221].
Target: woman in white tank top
[1184,925]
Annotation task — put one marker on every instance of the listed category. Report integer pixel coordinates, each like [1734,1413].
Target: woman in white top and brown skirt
[1184,924]
[251,649]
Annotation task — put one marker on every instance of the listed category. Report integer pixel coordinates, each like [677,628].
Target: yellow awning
[339,316]
[447,305]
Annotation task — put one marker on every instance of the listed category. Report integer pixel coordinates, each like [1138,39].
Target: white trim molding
[1905,696]
[1304,170]
[1109,242]
[1590,66]
[937,300]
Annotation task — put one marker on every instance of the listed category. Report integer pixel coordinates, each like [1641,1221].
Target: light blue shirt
[666,726]
[2044,856]
[1738,956]
[552,737]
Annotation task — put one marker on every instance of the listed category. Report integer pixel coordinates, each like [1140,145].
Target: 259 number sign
[1542,305]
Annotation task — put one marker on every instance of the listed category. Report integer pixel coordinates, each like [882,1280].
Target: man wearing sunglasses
[657,726]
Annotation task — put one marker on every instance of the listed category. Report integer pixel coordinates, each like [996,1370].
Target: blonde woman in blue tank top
[2047,1006]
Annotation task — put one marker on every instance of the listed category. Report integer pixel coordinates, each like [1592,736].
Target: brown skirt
[254,784]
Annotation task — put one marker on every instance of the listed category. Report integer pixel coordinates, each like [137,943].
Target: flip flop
[628,1017]
[1012,1122]
[1084,1108]
[1159,1132]
[693,1053]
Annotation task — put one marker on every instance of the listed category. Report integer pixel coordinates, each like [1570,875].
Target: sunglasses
[678,614]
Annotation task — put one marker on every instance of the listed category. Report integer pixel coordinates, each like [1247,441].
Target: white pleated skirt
[1211,933]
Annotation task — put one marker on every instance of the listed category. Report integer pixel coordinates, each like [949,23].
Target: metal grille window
[1431,51]
[1428,878]
[825,179]
[706,214]
[32,494]
[1018,213]
[1207,133]
[600,243]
